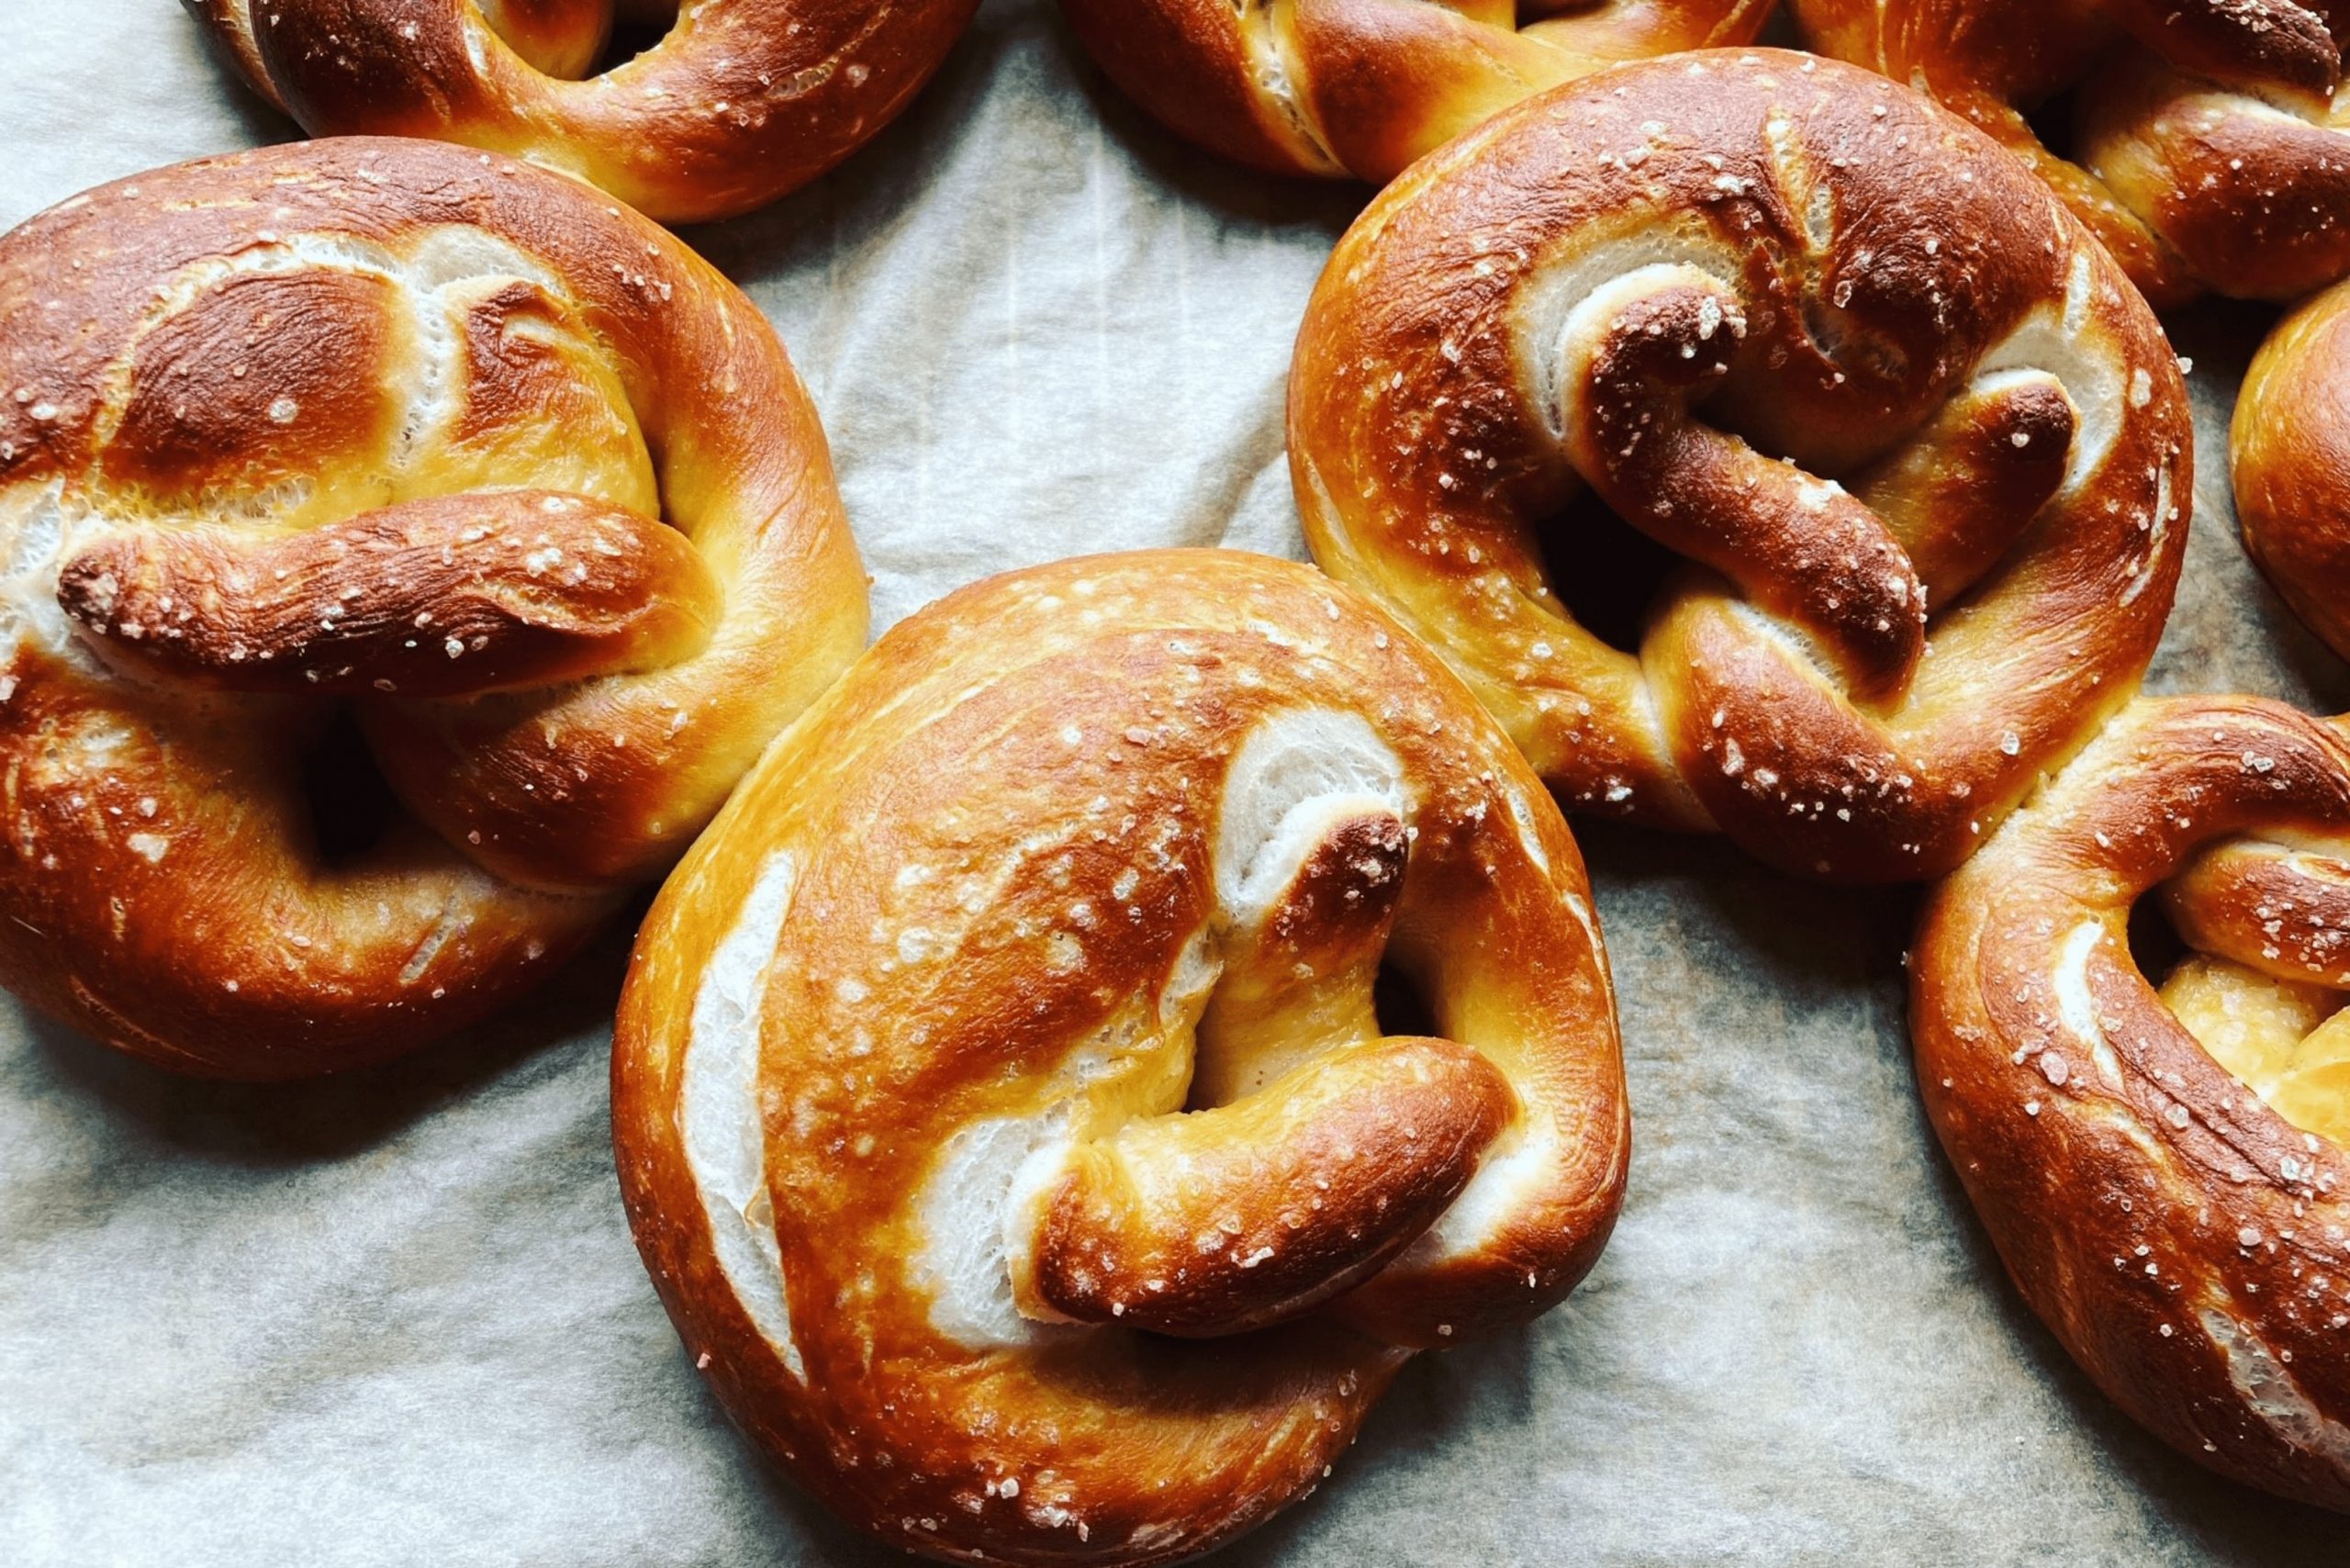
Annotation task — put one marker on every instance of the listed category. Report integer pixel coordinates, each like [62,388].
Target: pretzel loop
[385,430]
[2163,1173]
[2211,145]
[740,101]
[1922,454]
[1363,87]
[1030,1166]
[1802,549]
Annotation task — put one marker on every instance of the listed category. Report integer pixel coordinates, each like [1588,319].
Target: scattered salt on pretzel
[2165,1174]
[1362,87]
[1922,452]
[2211,138]
[740,102]
[999,1093]
[416,435]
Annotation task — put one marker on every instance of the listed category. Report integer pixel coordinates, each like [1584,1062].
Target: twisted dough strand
[742,101]
[2163,1174]
[404,429]
[1013,1029]
[2211,136]
[1362,87]
[1923,453]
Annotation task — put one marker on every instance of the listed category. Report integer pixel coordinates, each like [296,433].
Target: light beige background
[397,1319]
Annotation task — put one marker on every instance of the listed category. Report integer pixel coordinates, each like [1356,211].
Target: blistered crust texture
[1018,1013]
[739,103]
[414,435]
[1920,452]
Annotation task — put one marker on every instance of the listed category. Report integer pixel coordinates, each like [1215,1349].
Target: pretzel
[904,1042]
[384,429]
[2289,452]
[2164,1173]
[1920,453]
[740,102]
[2212,144]
[1360,88]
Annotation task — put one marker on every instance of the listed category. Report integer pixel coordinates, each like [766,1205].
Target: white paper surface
[396,1318]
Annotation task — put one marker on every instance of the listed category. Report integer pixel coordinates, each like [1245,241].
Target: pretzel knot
[2211,138]
[2164,1173]
[376,439]
[1364,87]
[737,102]
[1015,1023]
[1917,453]
[2288,451]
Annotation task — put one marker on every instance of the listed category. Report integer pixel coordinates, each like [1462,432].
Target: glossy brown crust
[1396,1126]
[1360,88]
[1000,842]
[2185,1243]
[1646,284]
[741,102]
[2288,451]
[2211,150]
[276,614]
[398,421]
[2230,901]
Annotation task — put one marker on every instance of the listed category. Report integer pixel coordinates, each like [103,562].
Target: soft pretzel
[905,1039]
[1921,449]
[391,429]
[1360,88]
[2211,136]
[741,102]
[2165,1174]
[2289,452]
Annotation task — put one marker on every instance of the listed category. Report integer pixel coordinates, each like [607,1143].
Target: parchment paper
[396,1318]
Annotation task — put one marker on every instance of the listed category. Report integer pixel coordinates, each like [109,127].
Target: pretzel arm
[1803,549]
[2264,46]
[1230,1219]
[1965,489]
[445,598]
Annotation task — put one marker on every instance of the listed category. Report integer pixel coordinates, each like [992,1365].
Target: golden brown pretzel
[2289,452]
[388,427]
[1655,285]
[2211,136]
[902,1041]
[741,102]
[1362,87]
[2164,1175]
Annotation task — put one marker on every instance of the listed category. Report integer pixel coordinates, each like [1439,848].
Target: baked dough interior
[2288,1041]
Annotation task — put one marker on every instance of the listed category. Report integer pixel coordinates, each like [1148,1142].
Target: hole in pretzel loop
[1401,1007]
[633,35]
[2052,119]
[1606,573]
[352,808]
[2156,945]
